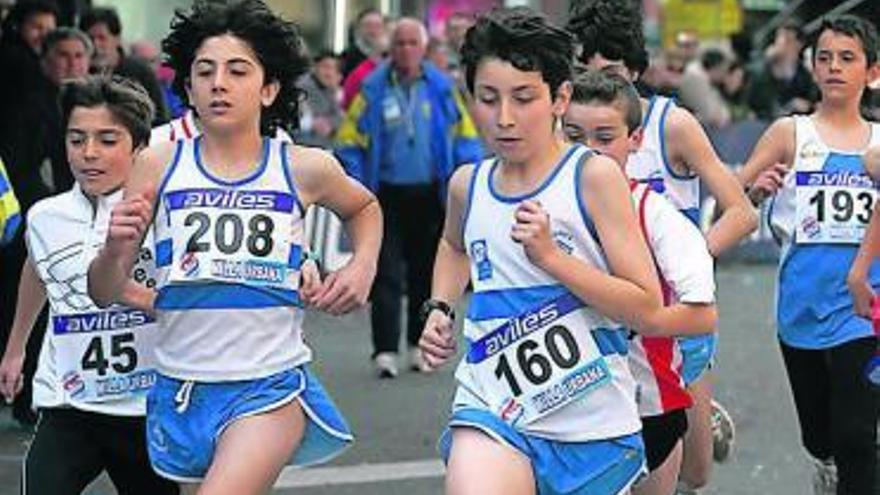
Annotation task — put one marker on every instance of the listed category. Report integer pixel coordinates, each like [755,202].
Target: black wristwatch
[432,304]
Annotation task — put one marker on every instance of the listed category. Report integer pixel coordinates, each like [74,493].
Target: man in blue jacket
[402,137]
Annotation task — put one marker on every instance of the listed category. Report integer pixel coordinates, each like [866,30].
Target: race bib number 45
[105,355]
[538,362]
[833,207]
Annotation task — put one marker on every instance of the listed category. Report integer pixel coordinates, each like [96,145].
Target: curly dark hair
[854,27]
[524,38]
[127,101]
[276,42]
[611,28]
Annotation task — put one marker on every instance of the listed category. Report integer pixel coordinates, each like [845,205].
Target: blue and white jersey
[819,215]
[538,357]
[651,165]
[92,359]
[228,254]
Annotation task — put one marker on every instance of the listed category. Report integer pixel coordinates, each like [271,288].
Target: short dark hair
[611,28]
[23,10]
[524,38]
[608,88]
[127,101]
[712,58]
[276,42]
[854,27]
[795,27]
[101,15]
[66,33]
[366,12]
[324,53]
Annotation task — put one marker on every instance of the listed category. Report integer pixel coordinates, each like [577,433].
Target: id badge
[391,111]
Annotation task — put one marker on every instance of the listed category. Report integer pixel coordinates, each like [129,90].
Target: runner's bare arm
[631,293]
[109,272]
[320,180]
[857,278]
[776,146]
[451,272]
[31,299]
[689,145]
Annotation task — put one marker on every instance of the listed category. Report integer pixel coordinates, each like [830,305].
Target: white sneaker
[417,362]
[386,364]
[723,432]
[825,477]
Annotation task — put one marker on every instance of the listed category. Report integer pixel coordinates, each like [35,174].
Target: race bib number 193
[833,207]
[105,355]
[538,362]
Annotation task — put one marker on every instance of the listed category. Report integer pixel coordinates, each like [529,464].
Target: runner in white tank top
[546,234]
[824,205]
[605,113]
[229,220]
[684,157]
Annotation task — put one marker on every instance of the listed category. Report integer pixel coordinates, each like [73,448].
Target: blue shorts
[601,467]
[185,419]
[697,356]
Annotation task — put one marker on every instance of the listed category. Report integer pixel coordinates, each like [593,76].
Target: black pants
[837,407]
[71,448]
[413,221]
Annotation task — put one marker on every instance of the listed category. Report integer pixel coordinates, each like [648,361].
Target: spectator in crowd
[24,29]
[147,52]
[32,147]
[733,89]
[687,43]
[438,53]
[781,85]
[403,135]
[369,35]
[699,89]
[351,82]
[104,27]
[454,30]
[10,211]
[320,114]
[663,75]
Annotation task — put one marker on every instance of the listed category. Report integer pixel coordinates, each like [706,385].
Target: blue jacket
[454,138]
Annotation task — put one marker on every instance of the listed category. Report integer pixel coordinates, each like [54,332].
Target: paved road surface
[397,422]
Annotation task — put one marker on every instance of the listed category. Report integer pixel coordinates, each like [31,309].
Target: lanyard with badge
[539,361]
[400,107]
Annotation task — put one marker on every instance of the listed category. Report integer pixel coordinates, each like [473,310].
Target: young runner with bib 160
[547,234]
[234,400]
[822,205]
[95,366]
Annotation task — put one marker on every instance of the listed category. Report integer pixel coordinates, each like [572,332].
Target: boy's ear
[874,76]
[269,92]
[635,139]
[561,99]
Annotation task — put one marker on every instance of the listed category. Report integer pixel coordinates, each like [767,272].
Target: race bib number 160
[538,362]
